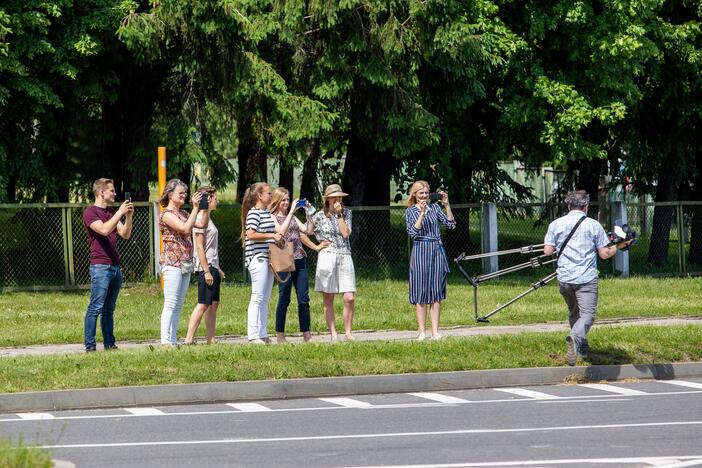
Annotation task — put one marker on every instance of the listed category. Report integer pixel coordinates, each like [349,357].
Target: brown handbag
[281,259]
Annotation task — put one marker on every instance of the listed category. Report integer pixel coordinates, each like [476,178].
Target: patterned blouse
[293,236]
[177,247]
[328,229]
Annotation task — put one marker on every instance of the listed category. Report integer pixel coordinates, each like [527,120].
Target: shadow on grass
[608,356]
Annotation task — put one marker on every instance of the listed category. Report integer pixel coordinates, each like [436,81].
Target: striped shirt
[260,221]
[578,263]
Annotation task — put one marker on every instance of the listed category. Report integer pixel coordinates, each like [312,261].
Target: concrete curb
[332,386]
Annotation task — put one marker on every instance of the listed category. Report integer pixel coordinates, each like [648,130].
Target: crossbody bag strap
[572,231]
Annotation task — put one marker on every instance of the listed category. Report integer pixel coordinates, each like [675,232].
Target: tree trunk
[695,255]
[285,177]
[251,159]
[308,185]
[662,218]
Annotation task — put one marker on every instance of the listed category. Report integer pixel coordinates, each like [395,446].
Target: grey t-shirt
[211,246]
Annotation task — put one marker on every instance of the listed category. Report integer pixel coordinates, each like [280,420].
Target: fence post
[152,257]
[488,236]
[156,255]
[681,238]
[621,258]
[64,235]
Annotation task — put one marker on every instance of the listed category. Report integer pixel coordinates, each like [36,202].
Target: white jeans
[175,286]
[261,287]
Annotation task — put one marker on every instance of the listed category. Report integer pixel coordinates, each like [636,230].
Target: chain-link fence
[45,246]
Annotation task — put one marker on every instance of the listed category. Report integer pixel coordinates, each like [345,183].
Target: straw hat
[334,190]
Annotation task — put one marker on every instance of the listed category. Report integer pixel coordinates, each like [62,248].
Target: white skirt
[335,273]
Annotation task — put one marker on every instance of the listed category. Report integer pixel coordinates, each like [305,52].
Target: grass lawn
[228,363]
[57,317]
[17,455]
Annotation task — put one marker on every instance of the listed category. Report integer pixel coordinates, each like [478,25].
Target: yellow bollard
[161,187]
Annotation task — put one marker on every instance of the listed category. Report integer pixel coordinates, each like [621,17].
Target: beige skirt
[335,273]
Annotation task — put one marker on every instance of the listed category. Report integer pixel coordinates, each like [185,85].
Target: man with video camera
[578,240]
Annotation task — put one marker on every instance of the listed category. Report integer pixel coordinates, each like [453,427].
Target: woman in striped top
[428,263]
[257,231]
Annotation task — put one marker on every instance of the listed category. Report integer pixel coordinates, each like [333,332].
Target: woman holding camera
[335,271]
[428,264]
[296,234]
[177,257]
[209,274]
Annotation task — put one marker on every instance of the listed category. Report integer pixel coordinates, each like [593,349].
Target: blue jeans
[105,283]
[300,280]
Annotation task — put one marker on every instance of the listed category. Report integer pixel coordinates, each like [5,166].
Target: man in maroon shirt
[102,224]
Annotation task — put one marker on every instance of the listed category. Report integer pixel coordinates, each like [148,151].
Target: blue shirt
[578,263]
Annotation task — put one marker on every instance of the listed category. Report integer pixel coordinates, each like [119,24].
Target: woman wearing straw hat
[335,271]
[428,264]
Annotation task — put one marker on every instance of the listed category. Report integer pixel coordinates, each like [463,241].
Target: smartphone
[127,196]
[204,201]
[434,197]
[302,203]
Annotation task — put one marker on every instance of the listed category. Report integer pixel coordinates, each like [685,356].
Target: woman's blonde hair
[169,189]
[276,198]
[416,187]
[249,200]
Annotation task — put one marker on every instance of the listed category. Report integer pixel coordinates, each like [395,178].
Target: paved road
[653,423]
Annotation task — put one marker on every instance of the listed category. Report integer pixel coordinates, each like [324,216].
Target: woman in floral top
[335,271]
[177,257]
[296,234]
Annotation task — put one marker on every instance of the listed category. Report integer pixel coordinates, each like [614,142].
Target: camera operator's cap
[334,190]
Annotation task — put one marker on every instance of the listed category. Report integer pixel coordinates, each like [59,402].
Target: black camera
[434,197]
[127,196]
[204,201]
[622,233]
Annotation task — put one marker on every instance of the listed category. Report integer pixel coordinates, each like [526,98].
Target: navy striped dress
[428,263]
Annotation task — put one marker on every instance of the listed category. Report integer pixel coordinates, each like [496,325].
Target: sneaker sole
[571,355]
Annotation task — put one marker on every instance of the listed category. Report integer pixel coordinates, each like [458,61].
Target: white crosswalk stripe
[249,407]
[347,402]
[144,411]
[37,416]
[441,398]
[682,383]
[613,389]
[528,393]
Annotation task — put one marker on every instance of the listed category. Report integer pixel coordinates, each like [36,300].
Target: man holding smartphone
[102,224]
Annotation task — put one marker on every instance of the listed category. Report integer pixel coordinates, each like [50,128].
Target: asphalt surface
[646,423]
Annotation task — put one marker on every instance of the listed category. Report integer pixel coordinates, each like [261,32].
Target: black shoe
[111,348]
[571,355]
[90,350]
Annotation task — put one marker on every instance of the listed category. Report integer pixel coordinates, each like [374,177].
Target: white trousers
[175,287]
[261,287]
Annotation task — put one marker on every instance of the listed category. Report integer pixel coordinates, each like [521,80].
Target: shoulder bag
[281,259]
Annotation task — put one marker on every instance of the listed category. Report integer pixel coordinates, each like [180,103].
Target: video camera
[622,233]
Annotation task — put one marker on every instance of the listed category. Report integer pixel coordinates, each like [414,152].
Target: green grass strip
[57,317]
[230,363]
[18,455]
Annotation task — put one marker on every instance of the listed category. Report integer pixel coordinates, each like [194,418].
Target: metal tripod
[533,262]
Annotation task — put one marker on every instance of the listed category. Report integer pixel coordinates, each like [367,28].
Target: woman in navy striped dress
[428,263]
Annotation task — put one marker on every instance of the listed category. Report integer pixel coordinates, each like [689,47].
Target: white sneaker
[436,337]
[421,337]
[257,341]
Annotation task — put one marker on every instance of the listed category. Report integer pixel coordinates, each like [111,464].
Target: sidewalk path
[374,335]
